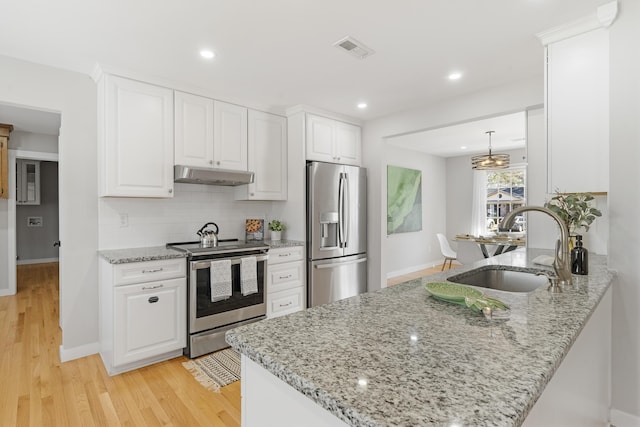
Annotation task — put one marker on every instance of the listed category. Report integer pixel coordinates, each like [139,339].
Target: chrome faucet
[561,263]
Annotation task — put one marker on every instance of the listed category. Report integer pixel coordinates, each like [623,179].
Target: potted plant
[575,210]
[276,227]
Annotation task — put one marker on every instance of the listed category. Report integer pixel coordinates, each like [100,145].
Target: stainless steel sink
[497,277]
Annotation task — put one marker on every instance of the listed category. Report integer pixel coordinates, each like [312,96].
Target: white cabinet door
[348,144]
[137,144]
[320,139]
[578,113]
[150,319]
[27,182]
[194,130]
[230,136]
[332,141]
[267,158]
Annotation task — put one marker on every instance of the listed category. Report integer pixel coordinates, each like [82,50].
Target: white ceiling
[279,53]
[510,134]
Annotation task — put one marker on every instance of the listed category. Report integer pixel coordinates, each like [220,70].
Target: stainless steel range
[208,320]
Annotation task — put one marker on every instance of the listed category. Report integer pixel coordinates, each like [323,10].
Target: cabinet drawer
[150,319]
[149,271]
[285,302]
[280,255]
[285,276]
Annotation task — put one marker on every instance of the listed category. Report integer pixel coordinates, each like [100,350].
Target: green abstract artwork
[404,200]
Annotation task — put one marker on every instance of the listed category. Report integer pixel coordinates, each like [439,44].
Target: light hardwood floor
[419,273]
[38,390]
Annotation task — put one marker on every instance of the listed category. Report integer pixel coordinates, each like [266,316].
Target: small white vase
[276,235]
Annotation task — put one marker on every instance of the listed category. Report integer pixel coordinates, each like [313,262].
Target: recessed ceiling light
[207,54]
[464,147]
[455,76]
[362,105]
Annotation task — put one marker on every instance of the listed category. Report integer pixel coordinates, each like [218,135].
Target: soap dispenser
[579,258]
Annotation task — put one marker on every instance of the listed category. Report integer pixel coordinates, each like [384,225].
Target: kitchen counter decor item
[276,227]
[254,229]
[466,296]
[575,210]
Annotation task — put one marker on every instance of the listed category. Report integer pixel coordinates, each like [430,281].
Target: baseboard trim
[6,292]
[36,261]
[622,419]
[78,352]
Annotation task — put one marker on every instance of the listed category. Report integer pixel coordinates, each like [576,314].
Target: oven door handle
[198,265]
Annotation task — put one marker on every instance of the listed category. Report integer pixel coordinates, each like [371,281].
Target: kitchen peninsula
[399,357]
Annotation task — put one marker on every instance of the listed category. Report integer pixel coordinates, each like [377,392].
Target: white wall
[460,191]
[624,209]
[420,249]
[30,141]
[155,222]
[510,98]
[74,96]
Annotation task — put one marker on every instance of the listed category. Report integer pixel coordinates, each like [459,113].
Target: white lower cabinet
[145,322]
[149,320]
[285,281]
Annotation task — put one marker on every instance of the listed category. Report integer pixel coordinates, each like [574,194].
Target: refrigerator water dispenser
[328,230]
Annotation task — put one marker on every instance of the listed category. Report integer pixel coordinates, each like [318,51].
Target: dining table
[503,243]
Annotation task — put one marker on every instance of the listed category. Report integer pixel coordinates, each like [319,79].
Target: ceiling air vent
[354,47]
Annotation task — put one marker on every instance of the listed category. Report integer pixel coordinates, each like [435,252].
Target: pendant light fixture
[490,161]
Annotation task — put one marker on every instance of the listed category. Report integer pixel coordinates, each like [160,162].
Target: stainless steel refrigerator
[336,232]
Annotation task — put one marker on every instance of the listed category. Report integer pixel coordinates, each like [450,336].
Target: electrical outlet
[124,220]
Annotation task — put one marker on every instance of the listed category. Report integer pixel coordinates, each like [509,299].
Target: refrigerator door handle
[346,204]
[341,230]
[339,264]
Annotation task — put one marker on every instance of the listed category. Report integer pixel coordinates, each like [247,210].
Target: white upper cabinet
[194,130]
[267,158]
[136,138]
[332,141]
[230,136]
[348,143]
[210,133]
[578,113]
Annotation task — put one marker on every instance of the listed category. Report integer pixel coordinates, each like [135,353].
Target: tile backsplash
[138,222]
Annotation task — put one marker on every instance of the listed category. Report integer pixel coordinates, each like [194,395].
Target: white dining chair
[448,253]
[469,252]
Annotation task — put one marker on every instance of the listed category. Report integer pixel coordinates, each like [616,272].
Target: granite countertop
[283,243]
[153,253]
[400,357]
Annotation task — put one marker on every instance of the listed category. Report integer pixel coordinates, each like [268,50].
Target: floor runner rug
[215,370]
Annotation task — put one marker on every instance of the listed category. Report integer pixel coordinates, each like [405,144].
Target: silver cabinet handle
[155,270]
[144,288]
[285,305]
[284,255]
[286,277]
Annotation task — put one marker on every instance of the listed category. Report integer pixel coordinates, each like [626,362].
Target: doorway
[34,141]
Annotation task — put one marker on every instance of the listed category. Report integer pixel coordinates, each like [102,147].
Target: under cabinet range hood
[211,176]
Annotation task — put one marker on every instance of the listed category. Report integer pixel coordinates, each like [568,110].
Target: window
[506,190]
